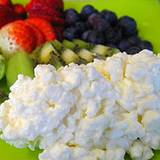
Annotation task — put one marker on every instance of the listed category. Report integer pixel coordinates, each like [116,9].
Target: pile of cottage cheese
[97,111]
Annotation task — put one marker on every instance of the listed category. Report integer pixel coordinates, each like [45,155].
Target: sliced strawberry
[20,10]
[44,26]
[57,4]
[53,20]
[43,11]
[17,36]
[40,39]
[54,4]
[47,10]
[5,2]
[7,15]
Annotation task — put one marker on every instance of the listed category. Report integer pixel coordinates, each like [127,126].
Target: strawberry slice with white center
[40,38]
[17,36]
[45,27]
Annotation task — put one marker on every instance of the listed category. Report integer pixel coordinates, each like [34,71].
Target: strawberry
[57,4]
[43,11]
[44,26]
[54,4]
[5,2]
[20,10]
[17,36]
[53,20]
[7,15]
[40,39]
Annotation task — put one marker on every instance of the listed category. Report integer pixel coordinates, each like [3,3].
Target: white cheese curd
[63,152]
[139,151]
[115,153]
[97,111]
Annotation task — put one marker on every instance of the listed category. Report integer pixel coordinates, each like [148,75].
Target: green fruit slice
[45,53]
[2,67]
[68,56]
[86,55]
[57,45]
[104,50]
[49,55]
[82,44]
[55,61]
[20,63]
[69,45]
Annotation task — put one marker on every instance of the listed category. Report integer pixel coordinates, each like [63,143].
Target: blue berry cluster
[104,28]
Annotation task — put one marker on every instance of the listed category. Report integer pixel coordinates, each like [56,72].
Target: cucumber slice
[20,63]
[86,55]
[68,56]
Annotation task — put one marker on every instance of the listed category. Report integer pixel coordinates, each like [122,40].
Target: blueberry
[96,22]
[85,35]
[96,37]
[93,18]
[124,45]
[146,45]
[128,26]
[128,42]
[89,26]
[71,16]
[87,11]
[101,25]
[70,33]
[110,17]
[81,27]
[133,50]
[113,36]
[134,40]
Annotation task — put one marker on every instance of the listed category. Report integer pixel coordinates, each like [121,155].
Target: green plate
[147,14]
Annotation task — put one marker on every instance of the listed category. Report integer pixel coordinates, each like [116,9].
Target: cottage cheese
[96,111]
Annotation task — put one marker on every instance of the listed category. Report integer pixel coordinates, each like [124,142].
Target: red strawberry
[57,4]
[45,8]
[7,15]
[5,2]
[54,4]
[43,11]
[40,39]
[44,26]
[20,10]
[17,36]
[53,20]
